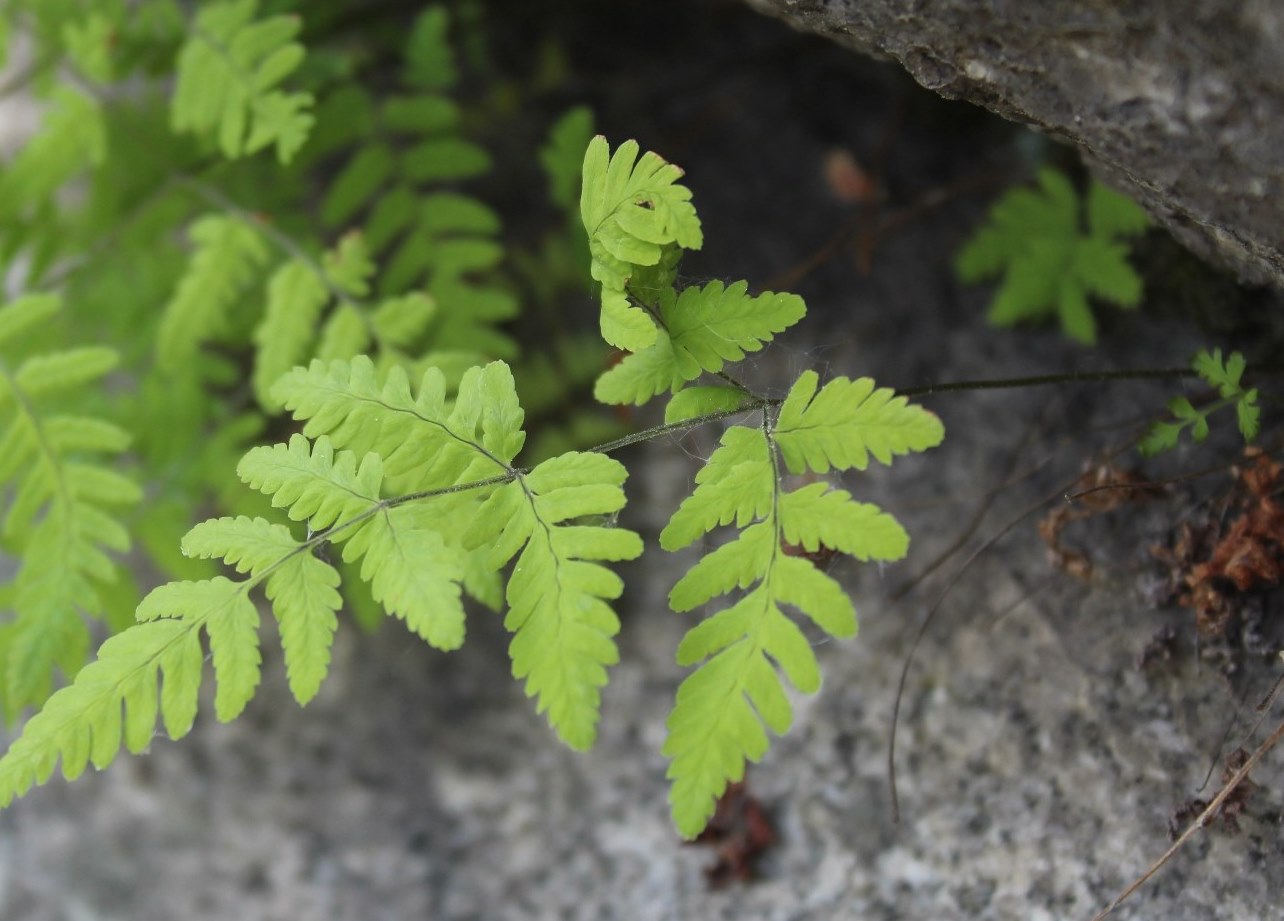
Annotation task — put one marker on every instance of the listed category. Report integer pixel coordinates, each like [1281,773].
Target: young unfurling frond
[633,209]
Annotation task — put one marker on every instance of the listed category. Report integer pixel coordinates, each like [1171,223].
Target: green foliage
[703,329]
[634,211]
[1226,378]
[350,296]
[1051,259]
[62,520]
[228,73]
[717,722]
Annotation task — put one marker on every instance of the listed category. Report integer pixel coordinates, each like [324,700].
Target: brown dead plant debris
[1213,567]
[1103,488]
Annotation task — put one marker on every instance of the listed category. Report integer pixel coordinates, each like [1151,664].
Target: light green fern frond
[229,71]
[228,257]
[60,520]
[718,720]
[703,329]
[633,209]
[558,593]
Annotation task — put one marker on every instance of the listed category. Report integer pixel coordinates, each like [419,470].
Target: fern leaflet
[59,521]
[703,329]
[228,73]
[557,593]
[229,254]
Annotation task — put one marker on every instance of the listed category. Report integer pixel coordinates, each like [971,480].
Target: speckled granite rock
[1179,104]
[1038,766]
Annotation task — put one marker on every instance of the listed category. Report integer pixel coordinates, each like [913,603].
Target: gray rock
[1178,104]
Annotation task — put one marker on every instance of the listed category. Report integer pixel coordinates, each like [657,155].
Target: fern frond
[631,208]
[700,401]
[413,573]
[1226,377]
[735,484]
[229,254]
[1050,263]
[703,329]
[228,73]
[296,296]
[562,155]
[724,708]
[313,483]
[558,592]
[231,621]
[60,520]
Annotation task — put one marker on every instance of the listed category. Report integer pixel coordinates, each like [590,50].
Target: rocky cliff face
[1179,104]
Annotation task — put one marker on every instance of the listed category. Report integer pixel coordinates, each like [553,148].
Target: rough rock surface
[1038,766]
[1180,104]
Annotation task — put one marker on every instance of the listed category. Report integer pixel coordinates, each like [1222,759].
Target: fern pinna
[384,471]
[63,521]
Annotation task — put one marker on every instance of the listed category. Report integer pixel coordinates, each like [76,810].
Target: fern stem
[1042,380]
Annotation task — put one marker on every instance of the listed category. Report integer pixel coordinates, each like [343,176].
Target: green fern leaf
[1227,378]
[558,592]
[60,519]
[704,328]
[228,71]
[82,722]
[413,574]
[631,210]
[724,708]
[736,484]
[1049,262]
[700,401]
[562,155]
[846,422]
[1113,215]
[416,434]
[430,61]
[295,298]
[72,139]
[314,483]
[815,516]
[301,588]
[228,256]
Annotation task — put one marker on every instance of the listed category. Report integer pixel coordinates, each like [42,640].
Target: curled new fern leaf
[634,210]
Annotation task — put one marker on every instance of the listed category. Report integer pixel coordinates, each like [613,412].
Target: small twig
[1209,811]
